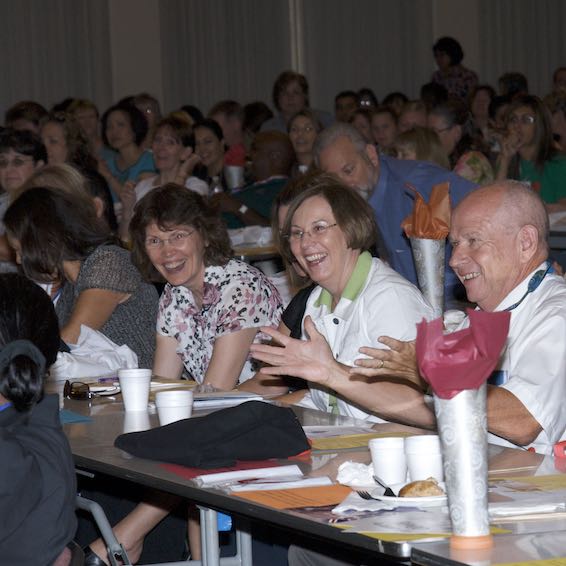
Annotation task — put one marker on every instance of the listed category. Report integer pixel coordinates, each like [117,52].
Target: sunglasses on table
[80,391]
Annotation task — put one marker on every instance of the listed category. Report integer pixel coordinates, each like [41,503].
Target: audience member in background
[513,84]
[384,129]
[25,115]
[383,180]
[556,104]
[412,114]
[21,154]
[65,142]
[528,152]
[149,106]
[361,120]
[230,117]
[37,475]
[396,101]
[367,98]
[290,95]
[124,129]
[255,114]
[433,94]
[457,79]
[452,121]
[209,315]
[345,104]
[57,235]
[421,144]
[272,158]
[210,149]
[303,129]
[86,114]
[193,113]
[480,99]
[559,79]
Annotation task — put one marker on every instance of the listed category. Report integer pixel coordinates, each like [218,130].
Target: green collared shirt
[355,283]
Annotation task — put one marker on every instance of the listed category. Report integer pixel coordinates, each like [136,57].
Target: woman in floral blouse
[212,305]
[209,314]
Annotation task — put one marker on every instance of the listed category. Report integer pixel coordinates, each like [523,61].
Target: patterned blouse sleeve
[249,301]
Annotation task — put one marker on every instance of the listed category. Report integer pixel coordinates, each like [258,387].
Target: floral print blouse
[235,296]
[475,166]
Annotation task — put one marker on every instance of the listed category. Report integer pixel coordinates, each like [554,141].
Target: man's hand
[310,359]
[398,361]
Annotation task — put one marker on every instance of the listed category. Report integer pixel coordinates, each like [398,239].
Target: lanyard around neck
[533,285]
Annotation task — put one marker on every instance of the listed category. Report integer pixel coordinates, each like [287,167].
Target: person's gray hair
[338,130]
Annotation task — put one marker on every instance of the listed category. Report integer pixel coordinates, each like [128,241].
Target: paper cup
[134,385]
[388,459]
[424,457]
[173,406]
[234,175]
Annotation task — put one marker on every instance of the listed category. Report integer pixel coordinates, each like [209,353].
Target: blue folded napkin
[70,417]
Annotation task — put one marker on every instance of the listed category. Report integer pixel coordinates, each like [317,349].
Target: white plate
[432,501]
[105,390]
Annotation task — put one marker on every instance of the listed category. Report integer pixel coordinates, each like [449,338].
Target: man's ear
[98,206]
[528,242]
[371,152]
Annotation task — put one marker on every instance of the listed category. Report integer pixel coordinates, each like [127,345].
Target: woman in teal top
[528,152]
[124,128]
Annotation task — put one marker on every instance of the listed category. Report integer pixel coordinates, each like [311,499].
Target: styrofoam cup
[388,459]
[424,457]
[173,405]
[134,385]
[136,421]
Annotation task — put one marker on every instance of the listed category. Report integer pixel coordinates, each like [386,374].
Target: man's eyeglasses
[525,119]
[17,162]
[177,240]
[318,229]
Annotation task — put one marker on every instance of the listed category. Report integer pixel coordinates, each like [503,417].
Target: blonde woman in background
[421,144]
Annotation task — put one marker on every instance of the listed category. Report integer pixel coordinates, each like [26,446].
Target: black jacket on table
[37,486]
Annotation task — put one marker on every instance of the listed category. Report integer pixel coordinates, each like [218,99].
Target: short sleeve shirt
[235,296]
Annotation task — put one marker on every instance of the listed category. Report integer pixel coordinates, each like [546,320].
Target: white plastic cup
[134,385]
[388,459]
[136,421]
[424,457]
[173,406]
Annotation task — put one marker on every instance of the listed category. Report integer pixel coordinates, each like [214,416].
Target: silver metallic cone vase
[429,263]
[462,427]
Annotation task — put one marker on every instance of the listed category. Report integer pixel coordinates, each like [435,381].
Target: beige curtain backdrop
[53,49]
[522,35]
[222,49]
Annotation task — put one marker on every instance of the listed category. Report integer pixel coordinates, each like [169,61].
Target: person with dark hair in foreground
[37,475]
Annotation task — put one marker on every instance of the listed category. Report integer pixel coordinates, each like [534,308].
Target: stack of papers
[221,399]
[234,477]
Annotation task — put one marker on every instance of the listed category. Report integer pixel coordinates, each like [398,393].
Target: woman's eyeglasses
[525,119]
[318,229]
[177,240]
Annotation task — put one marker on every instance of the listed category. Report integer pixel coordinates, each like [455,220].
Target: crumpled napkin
[355,474]
[430,221]
[251,236]
[464,359]
[94,355]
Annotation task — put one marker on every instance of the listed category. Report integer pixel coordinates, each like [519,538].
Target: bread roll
[421,488]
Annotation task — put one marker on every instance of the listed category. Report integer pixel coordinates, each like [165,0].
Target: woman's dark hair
[255,114]
[138,123]
[451,47]
[28,110]
[172,205]
[545,148]
[78,150]
[284,80]
[193,112]
[211,125]
[24,142]
[433,94]
[53,226]
[395,99]
[455,113]
[97,186]
[353,214]
[27,314]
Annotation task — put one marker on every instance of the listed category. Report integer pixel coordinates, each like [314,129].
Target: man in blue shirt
[386,183]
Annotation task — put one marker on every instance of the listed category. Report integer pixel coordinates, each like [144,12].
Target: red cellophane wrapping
[429,221]
[464,359]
